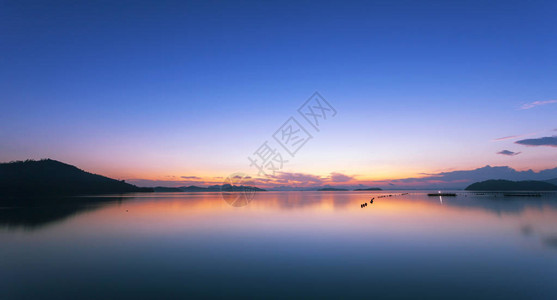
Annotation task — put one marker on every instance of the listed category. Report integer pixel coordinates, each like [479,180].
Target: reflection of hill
[34,213]
[497,203]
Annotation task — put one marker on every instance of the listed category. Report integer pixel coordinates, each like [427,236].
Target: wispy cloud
[190,177]
[507,137]
[508,153]
[537,103]
[512,137]
[543,141]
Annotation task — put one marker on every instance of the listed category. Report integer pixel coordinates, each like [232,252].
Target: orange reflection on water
[323,213]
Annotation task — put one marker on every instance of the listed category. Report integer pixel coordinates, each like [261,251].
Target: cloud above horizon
[449,179]
[537,103]
[511,137]
[339,177]
[190,177]
[550,141]
[462,178]
[508,153]
[297,178]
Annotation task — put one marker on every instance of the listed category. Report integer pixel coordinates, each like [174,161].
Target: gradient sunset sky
[183,92]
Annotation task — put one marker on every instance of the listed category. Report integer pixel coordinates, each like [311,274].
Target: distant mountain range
[50,177]
[327,187]
[331,190]
[507,185]
[213,188]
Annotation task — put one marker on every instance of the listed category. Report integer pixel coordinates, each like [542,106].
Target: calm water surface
[284,244]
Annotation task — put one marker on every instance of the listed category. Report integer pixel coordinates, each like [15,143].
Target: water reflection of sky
[284,243]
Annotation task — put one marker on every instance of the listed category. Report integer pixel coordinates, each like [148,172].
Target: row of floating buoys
[365,204]
[382,196]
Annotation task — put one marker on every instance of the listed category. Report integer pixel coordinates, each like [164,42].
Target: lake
[282,245]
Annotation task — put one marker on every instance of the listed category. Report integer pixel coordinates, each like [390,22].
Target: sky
[180,93]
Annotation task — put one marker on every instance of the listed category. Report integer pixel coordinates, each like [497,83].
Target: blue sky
[159,89]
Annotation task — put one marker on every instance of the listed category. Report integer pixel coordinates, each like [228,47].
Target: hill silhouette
[507,185]
[49,177]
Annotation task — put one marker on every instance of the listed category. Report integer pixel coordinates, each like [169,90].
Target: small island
[369,189]
[331,190]
[507,185]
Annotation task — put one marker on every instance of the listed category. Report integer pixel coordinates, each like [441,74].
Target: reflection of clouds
[538,214]
[547,240]
[550,241]
[498,204]
[294,200]
[526,230]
